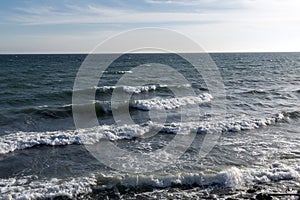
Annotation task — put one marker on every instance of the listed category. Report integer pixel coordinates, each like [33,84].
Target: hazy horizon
[86,53]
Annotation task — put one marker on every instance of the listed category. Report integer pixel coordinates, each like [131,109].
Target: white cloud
[202,4]
[257,10]
[265,25]
[98,14]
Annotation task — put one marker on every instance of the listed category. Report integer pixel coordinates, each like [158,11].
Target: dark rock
[251,190]
[261,196]
[62,198]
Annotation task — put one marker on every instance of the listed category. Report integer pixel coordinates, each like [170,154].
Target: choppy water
[42,155]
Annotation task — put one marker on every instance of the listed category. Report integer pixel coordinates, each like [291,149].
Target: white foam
[22,140]
[123,72]
[30,188]
[131,89]
[154,103]
[231,178]
[171,103]
[219,127]
[276,172]
[236,178]
[105,88]
[118,72]
[240,125]
[176,86]
[139,89]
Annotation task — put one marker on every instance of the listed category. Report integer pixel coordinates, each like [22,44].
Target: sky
[76,26]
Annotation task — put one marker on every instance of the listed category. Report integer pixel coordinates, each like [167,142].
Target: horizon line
[87,53]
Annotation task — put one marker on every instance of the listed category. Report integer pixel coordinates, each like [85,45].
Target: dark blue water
[43,156]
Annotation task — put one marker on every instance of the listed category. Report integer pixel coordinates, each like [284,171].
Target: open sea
[256,155]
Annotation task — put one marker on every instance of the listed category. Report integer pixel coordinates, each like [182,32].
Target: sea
[255,147]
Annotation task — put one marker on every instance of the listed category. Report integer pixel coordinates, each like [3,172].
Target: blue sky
[58,26]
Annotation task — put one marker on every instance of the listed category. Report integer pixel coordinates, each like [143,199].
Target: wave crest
[23,140]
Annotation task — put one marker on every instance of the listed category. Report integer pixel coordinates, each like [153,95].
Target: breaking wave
[23,140]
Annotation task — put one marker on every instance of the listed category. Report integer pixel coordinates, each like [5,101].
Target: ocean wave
[106,90]
[233,178]
[135,89]
[118,72]
[229,178]
[141,89]
[225,126]
[67,94]
[243,124]
[29,187]
[129,89]
[105,106]
[171,103]
[23,140]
